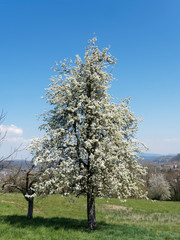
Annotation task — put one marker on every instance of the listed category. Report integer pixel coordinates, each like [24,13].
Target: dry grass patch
[117,207]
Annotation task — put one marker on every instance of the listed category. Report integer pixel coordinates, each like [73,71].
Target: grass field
[60,218]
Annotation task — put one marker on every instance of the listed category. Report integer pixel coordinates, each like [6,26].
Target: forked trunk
[91,214]
[30,209]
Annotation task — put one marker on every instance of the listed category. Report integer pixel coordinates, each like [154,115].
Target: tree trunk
[91,214]
[30,209]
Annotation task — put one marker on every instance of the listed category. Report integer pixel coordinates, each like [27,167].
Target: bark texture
[91,214]
[30,209]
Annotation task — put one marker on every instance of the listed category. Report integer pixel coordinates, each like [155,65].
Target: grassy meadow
[60,218]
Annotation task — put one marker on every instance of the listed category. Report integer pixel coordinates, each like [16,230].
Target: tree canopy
[89,146]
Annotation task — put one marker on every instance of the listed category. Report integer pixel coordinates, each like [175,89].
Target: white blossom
[89,140]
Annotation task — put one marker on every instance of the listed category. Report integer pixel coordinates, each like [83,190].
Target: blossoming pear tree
[89,146]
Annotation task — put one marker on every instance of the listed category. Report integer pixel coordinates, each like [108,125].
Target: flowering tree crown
[89,142]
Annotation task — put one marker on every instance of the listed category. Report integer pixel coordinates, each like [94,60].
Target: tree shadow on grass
[54,222]
[107,231]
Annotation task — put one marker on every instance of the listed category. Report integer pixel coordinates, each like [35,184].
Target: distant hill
[16,164]
[149,156]
[160,159]
[175,159]
[163,159]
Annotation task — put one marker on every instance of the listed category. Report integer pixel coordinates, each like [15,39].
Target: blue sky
[144,36]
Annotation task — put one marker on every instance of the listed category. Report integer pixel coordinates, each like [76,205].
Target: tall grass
[62,218]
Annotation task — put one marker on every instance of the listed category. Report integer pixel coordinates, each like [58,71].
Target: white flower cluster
[89,143]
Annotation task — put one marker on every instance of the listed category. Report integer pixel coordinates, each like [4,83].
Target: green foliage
[63,218]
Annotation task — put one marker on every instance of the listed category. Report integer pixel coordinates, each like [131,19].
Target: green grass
[61,218]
